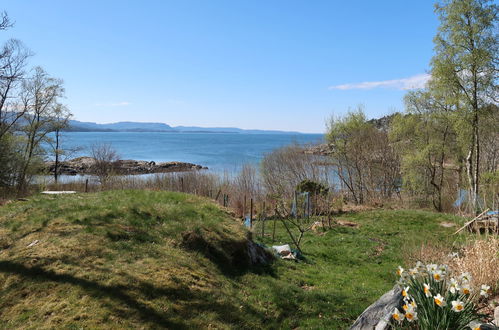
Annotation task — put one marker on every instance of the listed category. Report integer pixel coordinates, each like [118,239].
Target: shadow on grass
[190,300]
[38,274]
[232,257]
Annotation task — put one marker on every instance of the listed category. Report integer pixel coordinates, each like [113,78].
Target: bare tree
[283,169]
[39,101]
[13,60]
[5,21]
[60,122]
[105,159]
[365,162]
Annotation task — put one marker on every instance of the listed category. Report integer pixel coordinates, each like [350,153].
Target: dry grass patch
[477,256]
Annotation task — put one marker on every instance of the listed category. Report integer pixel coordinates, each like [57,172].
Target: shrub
[480,258]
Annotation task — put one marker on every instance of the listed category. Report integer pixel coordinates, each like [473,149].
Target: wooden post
[182,184]
[263,220]
[86,185]
[273,229]
[297,244]
[251,213]
[244,206]
[218,194]
[470,222]
[296,205]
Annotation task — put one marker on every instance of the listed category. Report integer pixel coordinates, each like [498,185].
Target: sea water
[217,151]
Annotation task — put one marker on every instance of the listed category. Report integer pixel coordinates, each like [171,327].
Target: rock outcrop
[377,316]
[87,165]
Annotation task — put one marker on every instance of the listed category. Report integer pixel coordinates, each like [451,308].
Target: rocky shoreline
[323,149]
[87,165]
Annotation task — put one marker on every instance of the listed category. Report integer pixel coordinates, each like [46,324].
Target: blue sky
[280,64]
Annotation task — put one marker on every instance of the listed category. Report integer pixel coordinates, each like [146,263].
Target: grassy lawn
[118,260]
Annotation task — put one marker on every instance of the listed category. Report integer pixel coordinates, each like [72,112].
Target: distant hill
[193,129]
[384,122]
[124,126]
[79,126]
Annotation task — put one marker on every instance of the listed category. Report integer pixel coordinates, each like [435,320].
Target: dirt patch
[5,201]
[447,224]
[378,249]
[346,223]
[307,287]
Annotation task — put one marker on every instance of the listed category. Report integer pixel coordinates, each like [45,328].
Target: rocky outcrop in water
[87,165]
[323,149]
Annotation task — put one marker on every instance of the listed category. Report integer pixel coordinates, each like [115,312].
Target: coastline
[87,166]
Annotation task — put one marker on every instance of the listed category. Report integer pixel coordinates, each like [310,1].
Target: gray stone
[377,316]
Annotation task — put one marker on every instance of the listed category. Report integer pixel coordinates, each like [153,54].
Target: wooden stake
[263,220]
[273,231]
[291,235]
[244,206]
[86,185]
[251,213]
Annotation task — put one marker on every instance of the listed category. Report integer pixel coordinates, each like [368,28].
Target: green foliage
[466,49]
[365,162]
[464,73]
[315,188]
[425,138]
[10,159]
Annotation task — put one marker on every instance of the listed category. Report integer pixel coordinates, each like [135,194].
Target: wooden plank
[471,221]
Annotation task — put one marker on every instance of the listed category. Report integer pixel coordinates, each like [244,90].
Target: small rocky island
[88,165]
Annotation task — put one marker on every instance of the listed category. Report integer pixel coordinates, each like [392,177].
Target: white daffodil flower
[426,289]
[474,325]
[439,300]
[465,277]
[413,271]
[465,288]
[431,268]
[405,292]
[453,285]
[397,316]
[457,305]
[485,290]
[443,268]
[411,314]
[438,275]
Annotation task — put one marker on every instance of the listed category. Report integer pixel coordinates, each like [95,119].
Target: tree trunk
[56,164]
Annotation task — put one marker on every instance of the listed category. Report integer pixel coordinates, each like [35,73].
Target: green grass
[119,260]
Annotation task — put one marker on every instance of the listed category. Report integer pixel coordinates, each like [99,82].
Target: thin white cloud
[414,82]
[117,104]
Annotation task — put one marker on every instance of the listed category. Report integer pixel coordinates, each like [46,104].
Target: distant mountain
[79,126]
[195,129]
[124,126]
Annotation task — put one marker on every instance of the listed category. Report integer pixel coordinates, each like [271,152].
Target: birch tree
[466,59]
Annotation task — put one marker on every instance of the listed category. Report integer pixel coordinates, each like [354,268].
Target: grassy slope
[115,259]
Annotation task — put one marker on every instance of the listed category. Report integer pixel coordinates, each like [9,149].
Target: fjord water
[217,151]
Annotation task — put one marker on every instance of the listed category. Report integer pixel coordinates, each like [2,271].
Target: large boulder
[377,316]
